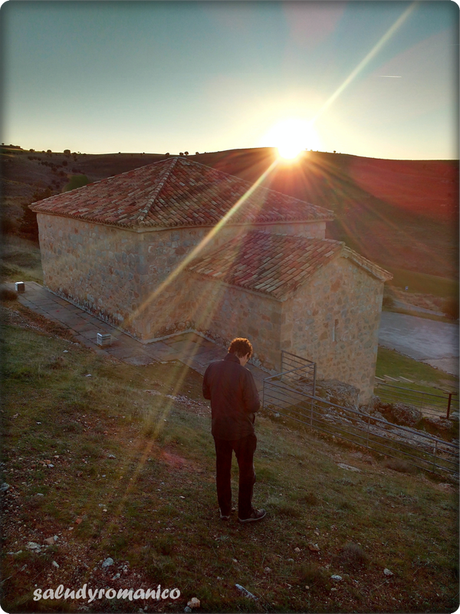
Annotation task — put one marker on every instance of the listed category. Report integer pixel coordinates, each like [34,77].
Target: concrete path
[188,348]
[435,343]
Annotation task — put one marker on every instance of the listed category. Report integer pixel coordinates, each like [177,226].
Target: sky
[369,78]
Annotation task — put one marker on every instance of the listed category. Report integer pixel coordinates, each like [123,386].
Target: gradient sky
[379,79]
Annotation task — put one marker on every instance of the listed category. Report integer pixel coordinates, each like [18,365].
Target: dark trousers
[244,451]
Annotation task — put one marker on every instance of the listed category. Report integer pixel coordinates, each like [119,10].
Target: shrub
[352,556]
[451,309]
[76,181]
[388,302]
[397,464]
[8,295]
[314,576]
[8,226]
[29,226]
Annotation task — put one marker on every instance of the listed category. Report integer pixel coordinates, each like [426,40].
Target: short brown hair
[240,346]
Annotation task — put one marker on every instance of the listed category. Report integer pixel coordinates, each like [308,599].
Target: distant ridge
[401,214]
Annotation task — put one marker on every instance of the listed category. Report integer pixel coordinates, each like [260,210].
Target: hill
[108,481]
[401,214]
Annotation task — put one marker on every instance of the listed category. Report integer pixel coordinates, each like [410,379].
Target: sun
[292,136]
[290,148]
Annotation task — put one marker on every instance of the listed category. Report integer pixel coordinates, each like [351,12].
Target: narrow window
[334,331]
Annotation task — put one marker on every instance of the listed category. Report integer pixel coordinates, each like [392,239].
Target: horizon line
[182,154]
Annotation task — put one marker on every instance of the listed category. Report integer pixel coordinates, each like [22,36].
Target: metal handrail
[419,397]
[436,396]
[424,450]
[283,373]
[285,352]
[274,394]
[374,419]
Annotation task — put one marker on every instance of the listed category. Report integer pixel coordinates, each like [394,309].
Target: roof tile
[269,263]
[177,192]
[275,264]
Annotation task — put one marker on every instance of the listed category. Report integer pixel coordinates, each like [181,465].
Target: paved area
[435,343]
[188,348]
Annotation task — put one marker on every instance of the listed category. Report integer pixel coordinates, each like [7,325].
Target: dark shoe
[226,516]
[255,516]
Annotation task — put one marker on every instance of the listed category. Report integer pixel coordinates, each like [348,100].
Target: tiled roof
[274,264]
[364,263]
[177,192]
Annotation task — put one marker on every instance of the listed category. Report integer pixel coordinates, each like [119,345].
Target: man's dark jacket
[234,398]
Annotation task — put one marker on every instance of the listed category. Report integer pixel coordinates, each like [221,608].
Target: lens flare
[292,136]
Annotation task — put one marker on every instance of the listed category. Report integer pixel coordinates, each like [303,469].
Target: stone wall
[133,280]
[175,304]
[171,301]
[334,321]
[240,313]
[97,267]
[219,312]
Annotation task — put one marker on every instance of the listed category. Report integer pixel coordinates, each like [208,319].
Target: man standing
[234,401]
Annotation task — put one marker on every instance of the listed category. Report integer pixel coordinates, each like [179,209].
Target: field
[394,364]
[423,283]
[106,460]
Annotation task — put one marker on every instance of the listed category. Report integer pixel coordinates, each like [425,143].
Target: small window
[334,331]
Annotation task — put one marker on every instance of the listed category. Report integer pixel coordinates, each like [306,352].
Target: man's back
[234,398]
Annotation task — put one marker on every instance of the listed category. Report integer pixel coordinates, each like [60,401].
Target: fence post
[435,456]
[448,404]
[368,429]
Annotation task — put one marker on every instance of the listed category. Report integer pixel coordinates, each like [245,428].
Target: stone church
[178,246]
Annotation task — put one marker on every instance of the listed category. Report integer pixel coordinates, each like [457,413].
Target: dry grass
[398,464]
[8,295]
[20,260]
[117,461]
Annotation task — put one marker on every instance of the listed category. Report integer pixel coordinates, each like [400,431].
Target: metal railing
[430,404]
[297,405]
[297,371]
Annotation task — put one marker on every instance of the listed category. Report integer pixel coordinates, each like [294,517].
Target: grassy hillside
[402,215]
[21,260]
[103,459]
[30,175]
